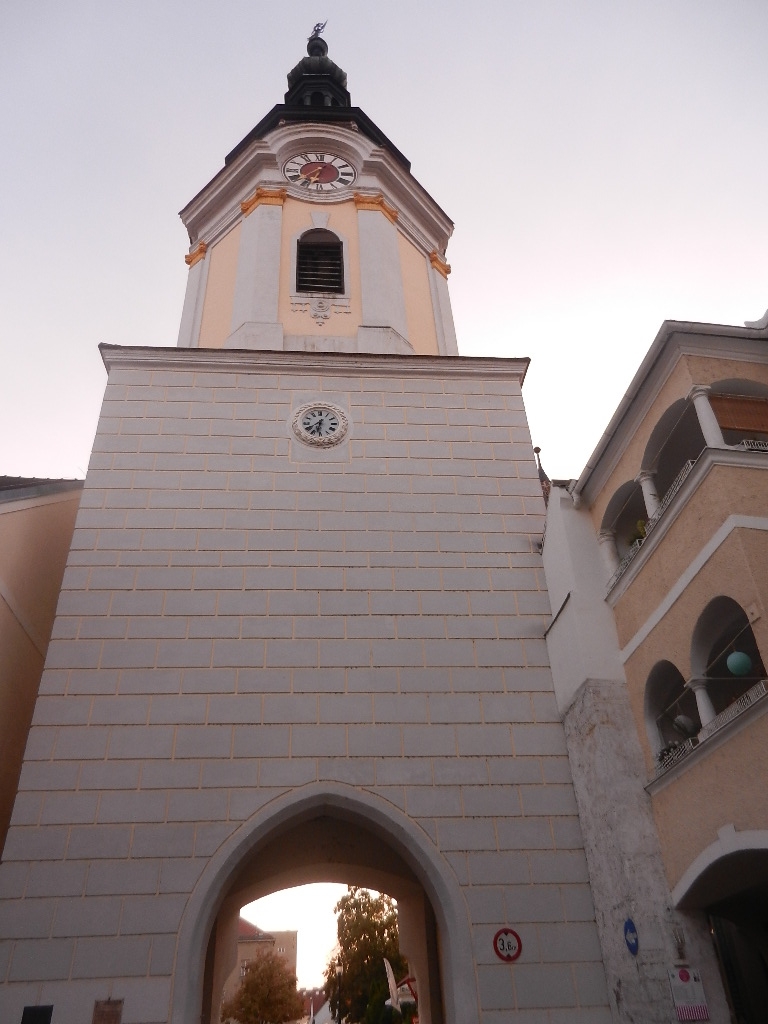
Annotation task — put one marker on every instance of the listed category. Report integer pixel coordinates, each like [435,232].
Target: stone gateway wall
[244,616]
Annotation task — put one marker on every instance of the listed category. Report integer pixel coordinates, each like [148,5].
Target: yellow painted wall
[677,385]
[34,542]
[713,792]
[419,313]
[342,221]
[727,490]
[216,324]
[689,370]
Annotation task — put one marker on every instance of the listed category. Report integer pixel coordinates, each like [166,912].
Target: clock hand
[313,177]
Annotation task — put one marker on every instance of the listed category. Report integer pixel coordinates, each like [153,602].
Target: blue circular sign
[631,937]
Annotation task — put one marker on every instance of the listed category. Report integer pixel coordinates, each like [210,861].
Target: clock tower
[301,631]
[315,236]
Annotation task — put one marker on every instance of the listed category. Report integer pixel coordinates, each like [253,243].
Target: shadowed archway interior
[317,835]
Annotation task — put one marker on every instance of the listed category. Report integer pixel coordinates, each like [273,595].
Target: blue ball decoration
[738,663]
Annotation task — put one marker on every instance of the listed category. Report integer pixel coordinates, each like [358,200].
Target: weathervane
[318,29]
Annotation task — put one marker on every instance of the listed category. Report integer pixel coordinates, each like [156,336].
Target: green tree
[267,993]
[366,926]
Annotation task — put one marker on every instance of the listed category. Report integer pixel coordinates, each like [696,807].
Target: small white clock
[320,423]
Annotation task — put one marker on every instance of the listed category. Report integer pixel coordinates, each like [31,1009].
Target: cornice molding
[335,363]
[675,340]
[439,264]
[264,197]
[197,254]
[377,203]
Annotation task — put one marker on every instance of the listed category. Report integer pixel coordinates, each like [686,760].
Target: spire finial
[317,47]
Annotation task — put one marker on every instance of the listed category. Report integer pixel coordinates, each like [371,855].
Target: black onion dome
[317,81]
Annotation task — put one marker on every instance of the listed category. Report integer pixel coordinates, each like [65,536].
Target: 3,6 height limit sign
[507,945]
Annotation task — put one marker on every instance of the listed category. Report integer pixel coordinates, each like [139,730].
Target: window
[319,262]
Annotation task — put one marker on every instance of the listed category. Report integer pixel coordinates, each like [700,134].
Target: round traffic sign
[507,945]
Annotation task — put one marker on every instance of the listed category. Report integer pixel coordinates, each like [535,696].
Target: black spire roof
[317,92]
[316,81]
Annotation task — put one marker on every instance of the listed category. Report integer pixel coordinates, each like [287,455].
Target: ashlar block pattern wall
[243,614]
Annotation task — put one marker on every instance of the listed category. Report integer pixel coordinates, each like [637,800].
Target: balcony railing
[675,756]
[677,483]
[624,563]
[747,700]
[753,446]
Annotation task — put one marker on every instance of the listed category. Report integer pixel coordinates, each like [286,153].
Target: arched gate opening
[335,834]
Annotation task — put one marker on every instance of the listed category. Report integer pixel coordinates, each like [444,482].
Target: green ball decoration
[738,663]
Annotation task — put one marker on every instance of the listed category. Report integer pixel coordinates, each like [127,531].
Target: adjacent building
[656,565]
[253,942]
[37,518]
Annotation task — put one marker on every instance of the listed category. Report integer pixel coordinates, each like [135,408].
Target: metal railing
[675,486]
[624,563]
[747,700]
[674,756]
[753,446]
[672,490]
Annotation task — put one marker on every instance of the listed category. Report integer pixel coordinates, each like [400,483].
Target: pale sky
[308,910]
[604,162]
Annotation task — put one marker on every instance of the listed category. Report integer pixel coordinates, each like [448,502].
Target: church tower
[300,636]
[315,236]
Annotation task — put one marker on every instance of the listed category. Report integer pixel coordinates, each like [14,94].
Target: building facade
[253,942]
[300,635]
[655,561]
[37,518]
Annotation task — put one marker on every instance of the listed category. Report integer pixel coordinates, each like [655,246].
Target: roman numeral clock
[319,172]
[315,236]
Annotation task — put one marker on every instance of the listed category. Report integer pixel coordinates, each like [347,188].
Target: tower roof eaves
[282,113]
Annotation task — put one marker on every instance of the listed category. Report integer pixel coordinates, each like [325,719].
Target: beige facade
[252,942]
[676,497]
[37,518]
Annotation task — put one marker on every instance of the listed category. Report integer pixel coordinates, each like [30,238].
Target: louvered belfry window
[319,262]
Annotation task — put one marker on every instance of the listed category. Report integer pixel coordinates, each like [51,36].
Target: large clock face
[319,172]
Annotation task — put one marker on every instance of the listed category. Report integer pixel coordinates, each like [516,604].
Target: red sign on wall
[507,945]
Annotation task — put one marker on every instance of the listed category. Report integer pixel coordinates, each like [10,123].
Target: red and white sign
[507,945]
[688,994]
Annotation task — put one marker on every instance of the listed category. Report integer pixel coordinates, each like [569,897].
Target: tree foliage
[366,926]
[267,993]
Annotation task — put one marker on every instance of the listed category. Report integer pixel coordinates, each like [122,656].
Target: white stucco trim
[442,312]
[732,523]
[146,357]
[728,841]
[707,460]
[431,869]
[192,310]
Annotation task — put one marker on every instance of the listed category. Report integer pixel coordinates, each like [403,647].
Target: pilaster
[192,313]
[381,276]
[255,308]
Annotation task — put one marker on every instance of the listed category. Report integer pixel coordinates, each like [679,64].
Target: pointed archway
[331,832]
